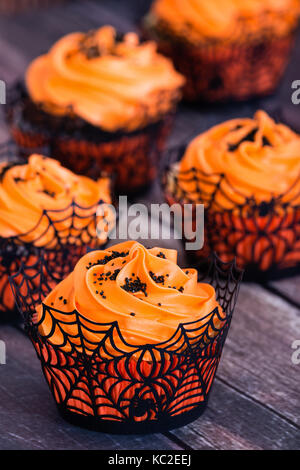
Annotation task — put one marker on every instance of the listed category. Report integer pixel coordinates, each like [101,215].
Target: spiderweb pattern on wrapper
[263,236]
[100,381]
[61,236]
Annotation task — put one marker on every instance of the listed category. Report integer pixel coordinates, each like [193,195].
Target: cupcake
[247,174]
[99,100]
[226,49]
[47,208]
[130,342]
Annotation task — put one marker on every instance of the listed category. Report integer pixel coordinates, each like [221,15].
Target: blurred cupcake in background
[99,101]
[247,174]
[47,208]
[226,49]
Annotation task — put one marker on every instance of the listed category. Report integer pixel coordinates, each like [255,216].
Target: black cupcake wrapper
[225,71]
[241,220]
[132,157]
[62,246]
[124,388]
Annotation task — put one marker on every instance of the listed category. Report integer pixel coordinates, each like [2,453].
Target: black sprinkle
[157,279]
[49,193]
[134,286]
[250,137]
[92,52]
[114,275]
[19,180]
[107,258]
[7,167]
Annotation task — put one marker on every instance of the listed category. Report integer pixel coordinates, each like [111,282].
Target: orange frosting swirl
[110,83]
[144,290]
[42,184]
[252,158]
[226,19]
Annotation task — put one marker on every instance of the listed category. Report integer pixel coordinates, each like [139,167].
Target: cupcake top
[111,82]
[27,190]
[226,19]
[253,158]
[144,290]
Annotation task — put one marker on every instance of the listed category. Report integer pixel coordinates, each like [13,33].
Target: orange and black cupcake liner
[61,235]
[263,236]
[112,386]
[216,71]
[132,157]
[62,249]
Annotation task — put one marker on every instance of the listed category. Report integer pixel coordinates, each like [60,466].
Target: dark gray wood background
[255,401]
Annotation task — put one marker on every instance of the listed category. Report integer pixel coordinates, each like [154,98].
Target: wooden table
[255,401]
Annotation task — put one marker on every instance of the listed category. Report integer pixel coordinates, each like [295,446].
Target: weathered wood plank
[255,401]
[234,421]
[4,133]
[28,416]
[253,415]
[12,62]
[289,288]
[258,353]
